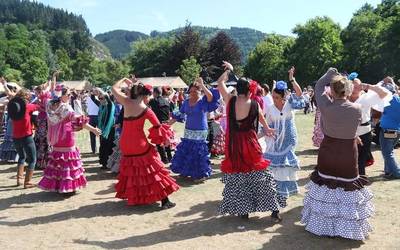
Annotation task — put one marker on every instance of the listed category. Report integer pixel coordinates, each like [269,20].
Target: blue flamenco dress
[281,149]
[191,157]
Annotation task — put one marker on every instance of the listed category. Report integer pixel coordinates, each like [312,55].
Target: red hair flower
[148,87]
[253,87]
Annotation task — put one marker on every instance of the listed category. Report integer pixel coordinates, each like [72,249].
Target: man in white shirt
[267,98]
[93,111]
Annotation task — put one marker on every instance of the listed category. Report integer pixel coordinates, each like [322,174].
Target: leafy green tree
[34,71]
[362,41]
[64,64]
[317,47]
[150,57]
[189,70]
[268,61]
[13,75]
[220,48]
[83,66]
[186,44]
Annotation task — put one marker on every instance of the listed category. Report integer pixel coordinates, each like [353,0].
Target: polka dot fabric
[335,212]
[250,192]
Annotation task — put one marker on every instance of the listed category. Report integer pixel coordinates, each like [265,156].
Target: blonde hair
[341,86]
[24,94]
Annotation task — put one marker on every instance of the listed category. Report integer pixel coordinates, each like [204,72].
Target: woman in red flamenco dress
[249,186]
[142,178]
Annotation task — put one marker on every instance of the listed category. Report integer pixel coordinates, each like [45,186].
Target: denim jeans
[387,148]
[26,150]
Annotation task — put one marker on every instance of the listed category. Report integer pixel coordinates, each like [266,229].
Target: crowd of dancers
[252,127]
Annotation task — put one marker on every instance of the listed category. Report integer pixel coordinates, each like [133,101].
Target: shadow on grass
[9,169]
[208,224]
[307,152]
[104,209]
[29,199]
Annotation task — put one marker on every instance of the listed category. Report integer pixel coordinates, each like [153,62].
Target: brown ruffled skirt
[337,165]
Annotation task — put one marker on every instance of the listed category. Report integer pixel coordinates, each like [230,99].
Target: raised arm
[117,92]
[292,80]
[54,80]
[221,82]
[207,92]
[377,89]
[323,99]
[6,89]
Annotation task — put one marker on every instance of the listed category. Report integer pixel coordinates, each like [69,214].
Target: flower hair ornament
[352,76]
[253,87]
[148,87]
[281,85]
[58,91]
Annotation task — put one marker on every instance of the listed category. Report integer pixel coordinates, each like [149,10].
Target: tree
[83,67]
[109,71]
[362,42]
[186,44]
[150,57]
[34,71]
[64,64]
[189,70]
[317,47]
[13,75]
[220,48]
[268,61]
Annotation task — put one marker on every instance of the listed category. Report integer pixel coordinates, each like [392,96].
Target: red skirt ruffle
[161,135]
[247,154]
[143,179]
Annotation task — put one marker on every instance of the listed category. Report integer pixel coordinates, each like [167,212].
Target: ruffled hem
[218,148]
[8,156]
[250,192]
[159,135]
[144,180]
[65,156]
[191,159]
[114,159]
[287,188]
[359,183]
[258,165]
[284,173]
[336,212]
[62,186]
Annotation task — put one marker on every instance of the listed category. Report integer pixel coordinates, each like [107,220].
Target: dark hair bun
[243,86]
[139,90]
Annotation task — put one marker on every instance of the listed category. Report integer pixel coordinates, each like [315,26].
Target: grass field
[94,219]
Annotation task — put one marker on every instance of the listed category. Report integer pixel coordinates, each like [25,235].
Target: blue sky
[268,16]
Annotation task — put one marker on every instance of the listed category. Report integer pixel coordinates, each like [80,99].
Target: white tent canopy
[172,81]
[78,85]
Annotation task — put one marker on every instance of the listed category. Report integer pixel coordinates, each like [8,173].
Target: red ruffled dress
[142,178]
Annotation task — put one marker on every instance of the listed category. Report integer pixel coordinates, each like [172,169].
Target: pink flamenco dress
[143,179]
[64,172]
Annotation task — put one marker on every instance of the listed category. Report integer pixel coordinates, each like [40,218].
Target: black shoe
[167,204]
[276,217]
[244,216]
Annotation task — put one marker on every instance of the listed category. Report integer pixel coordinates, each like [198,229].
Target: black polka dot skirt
[250,192]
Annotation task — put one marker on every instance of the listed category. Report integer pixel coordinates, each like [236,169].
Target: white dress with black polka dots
[336,212]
